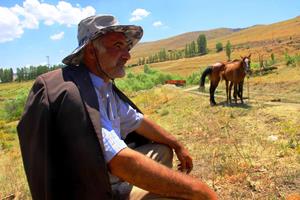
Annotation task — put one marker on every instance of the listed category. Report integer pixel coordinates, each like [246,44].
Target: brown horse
[234,71]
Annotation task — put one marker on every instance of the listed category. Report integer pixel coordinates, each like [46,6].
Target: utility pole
[48,62]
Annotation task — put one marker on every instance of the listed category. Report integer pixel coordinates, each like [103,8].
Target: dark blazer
[58,131]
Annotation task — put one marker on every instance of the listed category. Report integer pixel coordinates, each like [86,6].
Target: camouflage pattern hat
[95,26]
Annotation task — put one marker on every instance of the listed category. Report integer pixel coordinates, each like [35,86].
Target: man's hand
[157,134]
[186,161]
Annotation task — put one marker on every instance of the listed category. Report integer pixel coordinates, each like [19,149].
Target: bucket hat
[93,27]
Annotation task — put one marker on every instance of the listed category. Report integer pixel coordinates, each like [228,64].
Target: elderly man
[82,138]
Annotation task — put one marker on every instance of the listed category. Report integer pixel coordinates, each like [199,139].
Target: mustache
[121,62]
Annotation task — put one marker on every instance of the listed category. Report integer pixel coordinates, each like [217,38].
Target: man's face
[112,52]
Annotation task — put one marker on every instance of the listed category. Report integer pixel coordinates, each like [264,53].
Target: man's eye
[118,46]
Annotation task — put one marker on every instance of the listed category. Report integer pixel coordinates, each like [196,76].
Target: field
[249,151]
[243,152]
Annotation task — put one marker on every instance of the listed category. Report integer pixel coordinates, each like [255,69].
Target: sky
[33,32]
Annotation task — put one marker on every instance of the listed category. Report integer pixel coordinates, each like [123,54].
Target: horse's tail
[207,71]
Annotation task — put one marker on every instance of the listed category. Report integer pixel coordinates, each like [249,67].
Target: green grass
[12,176]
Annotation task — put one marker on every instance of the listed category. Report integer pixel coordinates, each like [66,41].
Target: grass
[230,145]
[243,152]
[12,176]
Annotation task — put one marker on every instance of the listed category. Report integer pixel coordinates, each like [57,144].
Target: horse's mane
[235,60]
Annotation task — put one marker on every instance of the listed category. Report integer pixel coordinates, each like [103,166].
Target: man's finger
[190,165]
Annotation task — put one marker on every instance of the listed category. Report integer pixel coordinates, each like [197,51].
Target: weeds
[292,60]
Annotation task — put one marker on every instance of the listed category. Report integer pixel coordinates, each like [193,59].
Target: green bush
[194,78]
[219,47]
[146,80]
[292,60]
[13,108]
[255,65]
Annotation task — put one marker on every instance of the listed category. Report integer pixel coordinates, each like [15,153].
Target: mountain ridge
[253,36]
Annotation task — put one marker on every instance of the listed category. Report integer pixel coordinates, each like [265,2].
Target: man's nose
[125,54]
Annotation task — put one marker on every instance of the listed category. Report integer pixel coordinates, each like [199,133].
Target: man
[81,138]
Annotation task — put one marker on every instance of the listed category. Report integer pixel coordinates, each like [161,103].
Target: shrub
[13,108]
[194,78]
[146,80]
[273,61]
[292,60]
[219,47]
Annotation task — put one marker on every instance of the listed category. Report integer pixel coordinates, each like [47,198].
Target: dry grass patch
[243,152]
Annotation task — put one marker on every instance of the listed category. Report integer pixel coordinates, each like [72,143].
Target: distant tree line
[6,75]
[195,48]
[25,73]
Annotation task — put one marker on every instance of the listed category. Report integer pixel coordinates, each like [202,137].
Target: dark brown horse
[233,72]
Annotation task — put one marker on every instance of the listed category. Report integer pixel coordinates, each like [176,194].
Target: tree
[11,75]
[6,75]
[202,44]
[1,75]
[162,55]
[139,61]
[219,47]
[193,49]
[186,51]
[228,50]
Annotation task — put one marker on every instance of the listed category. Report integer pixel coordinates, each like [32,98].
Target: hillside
[275,38]
[179,41]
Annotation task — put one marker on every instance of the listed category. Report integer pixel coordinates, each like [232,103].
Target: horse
[233,71]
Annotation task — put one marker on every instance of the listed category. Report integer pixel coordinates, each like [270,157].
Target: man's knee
[166,155]
[161,153]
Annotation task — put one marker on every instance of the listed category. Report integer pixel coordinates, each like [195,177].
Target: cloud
[138,14]
[57,36]
[10,25]
[157,24]
[31,13]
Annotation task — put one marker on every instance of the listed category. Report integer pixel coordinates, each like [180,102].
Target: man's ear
[89,48]
[89,51]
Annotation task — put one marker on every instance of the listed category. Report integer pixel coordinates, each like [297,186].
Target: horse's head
[246,62]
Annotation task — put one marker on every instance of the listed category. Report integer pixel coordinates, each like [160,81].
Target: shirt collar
[99,82]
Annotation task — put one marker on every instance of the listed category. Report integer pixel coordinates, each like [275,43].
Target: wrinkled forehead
[112,37]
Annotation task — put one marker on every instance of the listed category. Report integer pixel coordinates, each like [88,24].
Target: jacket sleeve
[33,131]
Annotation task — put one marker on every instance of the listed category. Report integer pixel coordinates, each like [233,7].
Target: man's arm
[145,173]
[154,132]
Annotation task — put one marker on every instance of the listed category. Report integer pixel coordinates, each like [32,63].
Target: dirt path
[194,90]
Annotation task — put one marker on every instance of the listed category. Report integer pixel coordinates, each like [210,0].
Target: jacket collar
[81,78]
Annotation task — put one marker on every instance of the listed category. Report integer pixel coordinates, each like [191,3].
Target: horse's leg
[227,92]
[213,86]
[241,84]
[230,88]
[211,93]
[235,92]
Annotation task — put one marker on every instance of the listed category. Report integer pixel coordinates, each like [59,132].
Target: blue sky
[31,30]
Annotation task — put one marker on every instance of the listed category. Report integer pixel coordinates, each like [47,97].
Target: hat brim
[132,33]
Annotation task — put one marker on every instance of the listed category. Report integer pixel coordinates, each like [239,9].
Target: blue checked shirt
[117,117]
